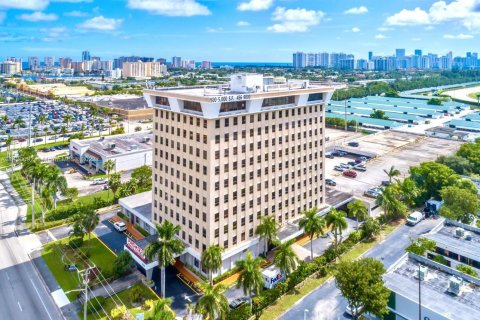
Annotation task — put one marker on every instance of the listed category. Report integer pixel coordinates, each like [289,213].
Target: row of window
[287,124]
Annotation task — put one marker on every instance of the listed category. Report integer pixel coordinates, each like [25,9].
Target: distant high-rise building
[176,62]
[322,59]
[65,62]
[106,65]
[85,55]
[362,64]
[33,63]
[10,67]
[206,65]
[299,60]
[370,55]
[142,69]
[400,53]
[162,60]
[418,52]
[48,62]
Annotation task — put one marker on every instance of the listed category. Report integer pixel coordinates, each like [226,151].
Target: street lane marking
[41,300]
[50,234]
[19,306]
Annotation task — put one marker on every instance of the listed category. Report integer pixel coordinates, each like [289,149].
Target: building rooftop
[125,104]
[464,124]
[435,296]
[447,130]
[140,202]
[366,121]
[118,144]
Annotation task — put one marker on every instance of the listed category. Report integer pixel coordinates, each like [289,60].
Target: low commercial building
[138,210]
[128,151]
[448,133]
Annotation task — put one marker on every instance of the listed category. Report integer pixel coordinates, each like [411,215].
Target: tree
[108,166]
[164,248]
[162,310]
[8,144]
[390,202]
[138,129]
[360,282]
[431,177]
[338,222]
[18,122]
[55,182]
[42,119]
[313,225]
[47,201]
[285,258]
[250,278]
[267,230]
[458,164]
[435,101]
[391,173]
[408,191]
[471,152]
[212,260]
[123,263]
[55,132]
[67,119]
[378,114]
[421,246]
[467,270]
[358,210]
[459,204]
[143,175]
[467,184]
[63,131]
[86,220]
[70,193]
[213,304]
[371,228]
[114,183]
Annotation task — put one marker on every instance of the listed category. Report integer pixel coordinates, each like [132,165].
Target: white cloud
[255,5]
[75,13]
[459,36]
[54,32]
[243,23]
[38,16]
[355,29]
[2,16]
[213,30]
[295,20]
[409,18]
[24,4]
[356,10]
[101,23]
[183,8]
[380,36]
[384,29]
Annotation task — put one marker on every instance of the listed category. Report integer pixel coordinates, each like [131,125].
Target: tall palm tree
[55,182]
[213,304]
[285,258]
[35,133]
[67,119]
[8,144]
[114,183]
[108,166]
[47,202]
[87,220]
[386,200]
[63,131]
[338,222]
[250,278]
[31,169]
[55,132]
[408,191]
[267,230]
[212,260]
[164,248]
[100,126]
[4,118]
[45,130]
[358,210]
[162,310]
[18,122]
[391,173]
[312,224]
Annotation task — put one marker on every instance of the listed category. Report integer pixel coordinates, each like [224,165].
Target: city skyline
[222,31]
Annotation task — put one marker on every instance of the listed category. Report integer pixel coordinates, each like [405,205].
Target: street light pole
[419,294]
[305,314]
[30,124]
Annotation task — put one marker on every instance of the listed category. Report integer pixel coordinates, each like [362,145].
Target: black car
[330,182]
[238,302]
[353,144]
[386,183]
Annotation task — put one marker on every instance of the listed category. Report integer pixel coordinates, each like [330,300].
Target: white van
[414,218]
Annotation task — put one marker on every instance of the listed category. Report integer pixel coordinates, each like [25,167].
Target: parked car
[350,173]
[339,168]
[360,167]
[52,149]
[363,158]
[329,155]
[238,302]
[45,149]
[352,163]
[99,181]
[414,218]
[386,183]
[358,160]
[38,139]
[120,226]
[373,192]
[353,144]
[330,182]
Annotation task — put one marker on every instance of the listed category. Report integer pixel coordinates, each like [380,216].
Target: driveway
[326,302]
[321,244]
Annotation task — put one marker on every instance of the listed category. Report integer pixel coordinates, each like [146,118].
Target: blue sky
[235,30]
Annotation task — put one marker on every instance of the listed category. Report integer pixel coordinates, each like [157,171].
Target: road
[22,293]
[326,302]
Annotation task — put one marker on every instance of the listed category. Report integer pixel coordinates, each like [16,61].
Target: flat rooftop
[140,202]
[435,296]
[464,124]
[124,144]
[124,104]
[445,239]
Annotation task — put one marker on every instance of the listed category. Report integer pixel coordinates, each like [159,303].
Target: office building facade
[226,157]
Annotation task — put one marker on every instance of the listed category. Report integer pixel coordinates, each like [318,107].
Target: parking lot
[399,149]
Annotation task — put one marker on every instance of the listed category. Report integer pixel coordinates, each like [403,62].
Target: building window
[233,106]
[192,105]
[163,101]
[279,101]
[315,97]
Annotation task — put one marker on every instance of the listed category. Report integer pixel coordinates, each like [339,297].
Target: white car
[99,181]
[349,310]
[120,226]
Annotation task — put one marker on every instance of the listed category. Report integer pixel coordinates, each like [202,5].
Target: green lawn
[57,254]
[288,300]
[124,296]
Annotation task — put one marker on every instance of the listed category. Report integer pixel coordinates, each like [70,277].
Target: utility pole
[30,124]
[83,275]
[419,293]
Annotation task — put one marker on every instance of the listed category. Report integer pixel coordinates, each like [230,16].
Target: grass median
[289,299]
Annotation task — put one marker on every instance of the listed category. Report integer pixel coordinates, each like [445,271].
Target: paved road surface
[22,293]
[326,302]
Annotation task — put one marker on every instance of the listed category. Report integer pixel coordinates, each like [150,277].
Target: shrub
[137,295]
[356,236]
[467,270]
[141,230]
[440,259]
[99,202]
[123,263]
[225,275]
[76,242]
[243,312]
[118,312]
[95,305]
[121,215]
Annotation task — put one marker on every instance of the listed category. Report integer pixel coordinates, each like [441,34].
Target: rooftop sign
[230,98]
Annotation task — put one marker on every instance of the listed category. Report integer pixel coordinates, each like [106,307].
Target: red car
[350,173]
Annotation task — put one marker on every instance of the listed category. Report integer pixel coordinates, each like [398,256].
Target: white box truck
[271,276]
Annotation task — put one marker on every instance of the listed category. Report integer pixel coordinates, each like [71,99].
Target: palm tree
[213,304]
[337,221]
[392,172]
[267,230]
[250,278]
[32,170]
[18,122]
[63,131]
[212,260]
[55,132]
[114,183]
[45,129]
[87,220]
[47,202]
[108,166]
[35,133]
[162,310]
[386,200]
[312,224]
[4,118]
[100,126]
[164,248]
[67,119]
[358,210]
[285,258]
[408,190]
[56,182]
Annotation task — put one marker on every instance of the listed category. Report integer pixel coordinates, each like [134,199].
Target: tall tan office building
[226,156]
